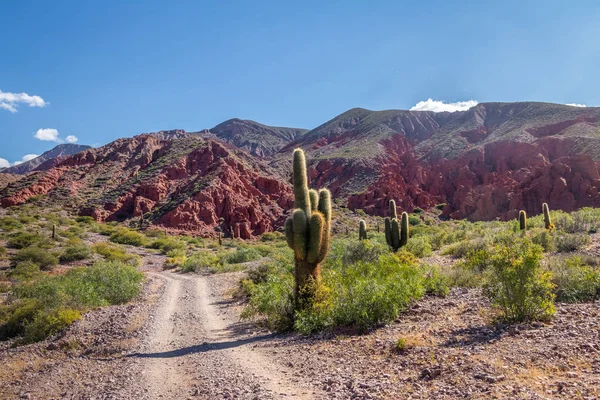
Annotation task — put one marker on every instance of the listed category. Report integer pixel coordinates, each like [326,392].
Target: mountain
[47,159]
[257,139]
[184,183]
[484,163]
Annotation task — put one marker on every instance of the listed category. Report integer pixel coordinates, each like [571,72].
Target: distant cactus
[404,230]
[522,220]
[53,232]
[219,235]
[547,220]
[362,230]
[377,224]
[308,230]
[396,234]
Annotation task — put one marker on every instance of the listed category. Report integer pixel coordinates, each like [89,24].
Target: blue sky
[104,70]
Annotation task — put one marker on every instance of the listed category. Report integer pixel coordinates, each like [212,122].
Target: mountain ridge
[483,163]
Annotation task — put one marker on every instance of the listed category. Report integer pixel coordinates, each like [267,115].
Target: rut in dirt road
[193,350]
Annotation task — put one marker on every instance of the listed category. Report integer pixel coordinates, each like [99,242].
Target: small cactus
[522,220]
[307,231]
[362,230]
[547,221]
[219,235]
[396,234]
[53,232]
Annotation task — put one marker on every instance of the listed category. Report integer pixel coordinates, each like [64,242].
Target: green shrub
[106,229]
[272,299]
[419,246]
[241,255]
[75,252]
[543,237]
[44,306]
[200,260]
[435,283]
[462,248]
[129,237]
[414,220]
[574,280]
[517,285]
[85,220]
[167,244]
[25,270]
[272,237]
[351,251]
[21,240]
[9,224]
[566,242]
[115,253]
[41,257]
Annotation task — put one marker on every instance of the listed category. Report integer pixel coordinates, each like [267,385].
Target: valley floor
[183,339]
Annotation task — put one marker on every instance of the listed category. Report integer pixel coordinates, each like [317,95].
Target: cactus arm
[404,230]
[362,230]
[316,236]
[289,232]
[395,235]
[300,240]
[388,231]
[314,199]
[325,209]
[522,220]
[393,214]
[301,193]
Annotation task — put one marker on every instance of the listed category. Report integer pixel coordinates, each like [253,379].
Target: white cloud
[47,134]
[575,105]
[28,157]
[440,106]
[71,139]
[4,163]
[11,101]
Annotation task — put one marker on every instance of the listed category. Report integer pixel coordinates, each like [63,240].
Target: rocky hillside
[187,184]
[484,163]
[48,159]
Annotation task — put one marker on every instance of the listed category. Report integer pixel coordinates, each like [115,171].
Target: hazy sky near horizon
[90,72]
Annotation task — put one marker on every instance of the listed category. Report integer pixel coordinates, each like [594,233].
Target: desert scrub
[567,242]
[240,255]
[272,237]
[350,251]
[419,246]
[112,252]
[25,270]
[41,257]
[575,281]
[21,240]
[462,248]
[9,224]
[517,285]
[204,259]
[75,252]
[434,281]
[129,237]
[43,306]
[168,243]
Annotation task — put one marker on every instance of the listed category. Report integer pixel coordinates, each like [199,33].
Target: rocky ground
[183,339]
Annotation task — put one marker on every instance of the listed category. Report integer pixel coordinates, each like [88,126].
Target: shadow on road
[202,348]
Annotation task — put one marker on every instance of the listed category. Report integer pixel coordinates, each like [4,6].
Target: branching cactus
[547,221]
[308,231]
[396,234]
[522,220]
[362,230]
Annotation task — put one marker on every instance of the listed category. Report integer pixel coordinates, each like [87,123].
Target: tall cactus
[396,234]
[547,221]
[308,230]
[362,230]
[53,232]
[522,220]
